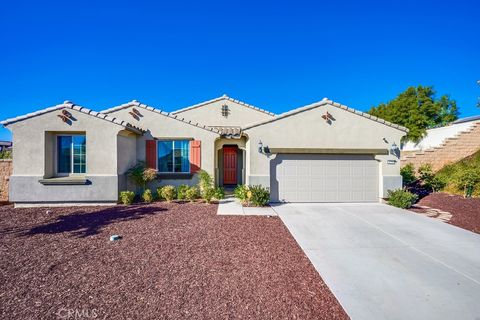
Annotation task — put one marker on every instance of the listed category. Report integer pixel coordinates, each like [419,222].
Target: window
[225,110]
[71,154]
[174,156]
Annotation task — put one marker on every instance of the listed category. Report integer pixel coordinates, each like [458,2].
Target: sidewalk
[231,206]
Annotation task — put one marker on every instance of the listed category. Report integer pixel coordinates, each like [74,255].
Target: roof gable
[137,104]
[72,106]
[323,102]
[226,98]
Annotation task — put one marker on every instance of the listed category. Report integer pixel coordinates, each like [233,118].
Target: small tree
[205,181]
[427,176]
[466,179]
[408,174]
[141,175]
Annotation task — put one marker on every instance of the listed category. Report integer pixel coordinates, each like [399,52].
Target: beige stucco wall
[161,126]
[126,151]
[308,130]
[33,138]
[211,114]
[34,154]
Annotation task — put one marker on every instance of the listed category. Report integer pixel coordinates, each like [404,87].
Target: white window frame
[173,155]
[63,174]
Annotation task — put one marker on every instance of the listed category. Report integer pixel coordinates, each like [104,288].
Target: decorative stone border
[443,216]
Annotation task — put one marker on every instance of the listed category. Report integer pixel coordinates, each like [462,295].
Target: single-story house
[322,152]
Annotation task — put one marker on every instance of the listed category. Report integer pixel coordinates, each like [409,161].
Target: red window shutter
[195,156]
[151,154]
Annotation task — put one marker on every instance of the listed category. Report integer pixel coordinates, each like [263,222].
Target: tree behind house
[417,109]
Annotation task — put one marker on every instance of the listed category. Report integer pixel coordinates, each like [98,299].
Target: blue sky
[277,55]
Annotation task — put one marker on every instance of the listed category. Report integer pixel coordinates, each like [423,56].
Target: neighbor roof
[467,119]
[71,105]
[224,97]
[323,102]
[135,103]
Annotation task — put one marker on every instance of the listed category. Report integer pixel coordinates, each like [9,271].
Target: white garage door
[324,178]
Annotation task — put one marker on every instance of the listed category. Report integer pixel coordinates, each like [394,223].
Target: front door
[230,165]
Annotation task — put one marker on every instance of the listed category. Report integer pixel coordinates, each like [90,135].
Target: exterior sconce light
[262,149]
[394,150]
[394,147]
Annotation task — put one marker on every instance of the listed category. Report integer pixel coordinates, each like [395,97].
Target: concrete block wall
[451,150]
[5,172]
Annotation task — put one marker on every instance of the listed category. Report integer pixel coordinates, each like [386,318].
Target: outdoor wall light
[262,149]
[260,146]
[393,147]
[394,150]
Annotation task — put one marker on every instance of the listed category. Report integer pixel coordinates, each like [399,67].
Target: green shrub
[466,179]
[240,192]
[452,175]
[429,179]
[126,197]
[258,196]
[252,195]
[136,174]
[408,174]
[159,193]
[204,181]
[141,175]
[181,191]
[219,193]
[147,196]
[211,193]
[425,172]
[208,194]
[168,193]
[149,174]
[436,183]
[192,194]
[401,198]
[6,154]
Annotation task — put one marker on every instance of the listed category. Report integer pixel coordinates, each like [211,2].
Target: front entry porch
[230,164]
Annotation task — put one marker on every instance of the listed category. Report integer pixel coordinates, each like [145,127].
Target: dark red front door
[229,165]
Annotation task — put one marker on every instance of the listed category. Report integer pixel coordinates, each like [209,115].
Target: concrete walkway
[231,206]
[386,263]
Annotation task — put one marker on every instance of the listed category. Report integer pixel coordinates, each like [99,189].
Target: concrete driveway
[386,263]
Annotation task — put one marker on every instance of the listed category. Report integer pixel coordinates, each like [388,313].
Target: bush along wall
[255,196]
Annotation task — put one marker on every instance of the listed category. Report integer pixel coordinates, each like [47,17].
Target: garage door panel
[324,178]
[330,196]
[303,171]
[290,170]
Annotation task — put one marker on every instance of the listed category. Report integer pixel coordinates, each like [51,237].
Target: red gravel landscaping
[465,212]
[175,261]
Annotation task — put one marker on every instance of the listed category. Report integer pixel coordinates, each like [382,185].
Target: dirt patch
[465,212]
[175,261]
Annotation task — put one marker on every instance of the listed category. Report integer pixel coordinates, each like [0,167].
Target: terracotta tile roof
[135,103]
[323,102]
[70,105]
[224,97]
[229,132]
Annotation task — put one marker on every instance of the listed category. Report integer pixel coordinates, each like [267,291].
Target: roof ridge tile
[321,103]
[70,105]
[224,97]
